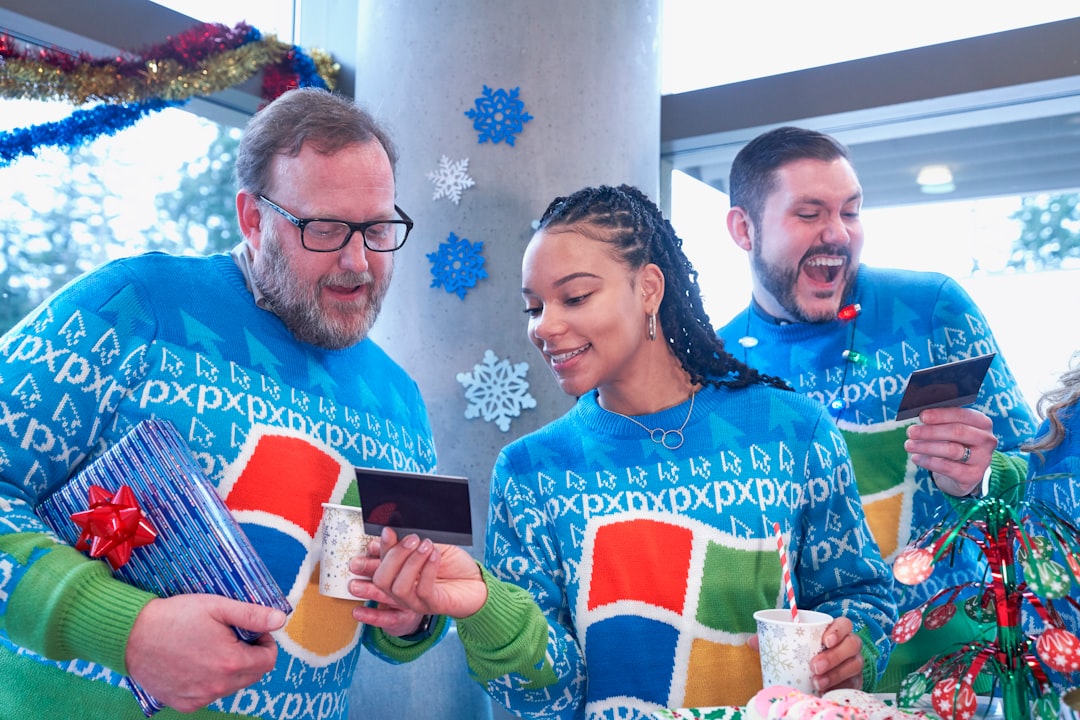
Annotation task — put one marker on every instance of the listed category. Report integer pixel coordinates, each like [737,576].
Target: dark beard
[782,282]
[298,306]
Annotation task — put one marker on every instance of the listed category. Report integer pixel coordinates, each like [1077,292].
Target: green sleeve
[509,634]
[1007,474]
[67,606]
[401,650]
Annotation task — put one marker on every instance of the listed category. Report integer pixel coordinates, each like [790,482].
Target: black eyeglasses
[320,235]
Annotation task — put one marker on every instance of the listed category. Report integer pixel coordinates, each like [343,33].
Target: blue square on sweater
[630,656]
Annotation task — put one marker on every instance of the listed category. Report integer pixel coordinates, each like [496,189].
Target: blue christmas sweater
[908,320]
[645,565]
[1062,495]
[277,426]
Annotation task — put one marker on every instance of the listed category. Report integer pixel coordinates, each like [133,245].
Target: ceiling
[1001,111]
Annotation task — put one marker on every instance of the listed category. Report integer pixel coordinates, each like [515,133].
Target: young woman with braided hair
[630,541]
[640,234]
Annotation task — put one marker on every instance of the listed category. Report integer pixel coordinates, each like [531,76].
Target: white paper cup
[343,539]
[787,647]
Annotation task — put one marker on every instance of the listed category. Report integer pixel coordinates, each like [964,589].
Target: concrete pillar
[588,75]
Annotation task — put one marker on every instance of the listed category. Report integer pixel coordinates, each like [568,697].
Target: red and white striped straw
[785,570]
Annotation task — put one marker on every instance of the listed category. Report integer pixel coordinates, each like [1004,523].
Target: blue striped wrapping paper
[200,548]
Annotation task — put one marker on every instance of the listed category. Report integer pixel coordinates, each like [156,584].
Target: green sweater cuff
[68,606]
[399,650]
[1007,474]
[509,634]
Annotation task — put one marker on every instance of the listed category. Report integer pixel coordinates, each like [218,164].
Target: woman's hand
[840,664]
[417,575]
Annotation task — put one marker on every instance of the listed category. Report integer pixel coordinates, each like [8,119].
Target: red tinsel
[196,45]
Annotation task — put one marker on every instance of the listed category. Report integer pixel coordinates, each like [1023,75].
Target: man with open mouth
[850,336]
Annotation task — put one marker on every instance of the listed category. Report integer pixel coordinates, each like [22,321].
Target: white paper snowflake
[450,179]
[496,390]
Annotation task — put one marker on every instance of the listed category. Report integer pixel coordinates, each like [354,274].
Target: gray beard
[298,305]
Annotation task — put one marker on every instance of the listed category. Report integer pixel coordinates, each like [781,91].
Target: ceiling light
[935,179]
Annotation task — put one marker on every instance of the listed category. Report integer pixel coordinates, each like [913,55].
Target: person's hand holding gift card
[435,507]
[416,561]
[952,441]
[419,508]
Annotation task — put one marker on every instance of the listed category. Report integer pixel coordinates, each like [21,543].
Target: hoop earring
[650,326]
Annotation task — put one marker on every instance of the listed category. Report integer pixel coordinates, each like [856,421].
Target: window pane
[165,183]
[706,45]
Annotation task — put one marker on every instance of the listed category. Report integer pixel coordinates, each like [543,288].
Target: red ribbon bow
[113,526]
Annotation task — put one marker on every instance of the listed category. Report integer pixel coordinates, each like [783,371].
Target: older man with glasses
[261,360]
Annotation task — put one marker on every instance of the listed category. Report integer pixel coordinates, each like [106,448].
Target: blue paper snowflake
[457,265]
[451,179]
[498,115]
[496,390]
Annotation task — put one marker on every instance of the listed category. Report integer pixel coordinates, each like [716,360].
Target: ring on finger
[967,454]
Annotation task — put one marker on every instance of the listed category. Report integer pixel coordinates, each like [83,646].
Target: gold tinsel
[164,79]
[326,67]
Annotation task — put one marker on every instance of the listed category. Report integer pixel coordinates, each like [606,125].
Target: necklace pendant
[670,439]
[675,442]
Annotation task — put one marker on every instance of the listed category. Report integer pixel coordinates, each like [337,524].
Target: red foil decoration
[113,526]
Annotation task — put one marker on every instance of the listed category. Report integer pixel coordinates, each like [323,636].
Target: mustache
[830,250]
[348,279]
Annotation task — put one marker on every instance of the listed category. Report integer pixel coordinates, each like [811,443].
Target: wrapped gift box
[199,547]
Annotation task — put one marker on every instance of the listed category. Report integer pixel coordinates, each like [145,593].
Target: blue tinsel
[81,127]
[307,74]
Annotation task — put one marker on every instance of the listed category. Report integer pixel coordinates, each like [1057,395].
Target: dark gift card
[950,385]
[432,506]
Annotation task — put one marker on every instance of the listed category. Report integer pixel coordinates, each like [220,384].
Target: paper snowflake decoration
[450,179]
[498,115]
[496,390]
[457,265]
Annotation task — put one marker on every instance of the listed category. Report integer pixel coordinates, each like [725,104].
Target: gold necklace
[658,434]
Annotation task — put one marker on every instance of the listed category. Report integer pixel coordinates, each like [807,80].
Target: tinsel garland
[207,59]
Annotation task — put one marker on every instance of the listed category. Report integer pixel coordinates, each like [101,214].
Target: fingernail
[410,542]
[425,546]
